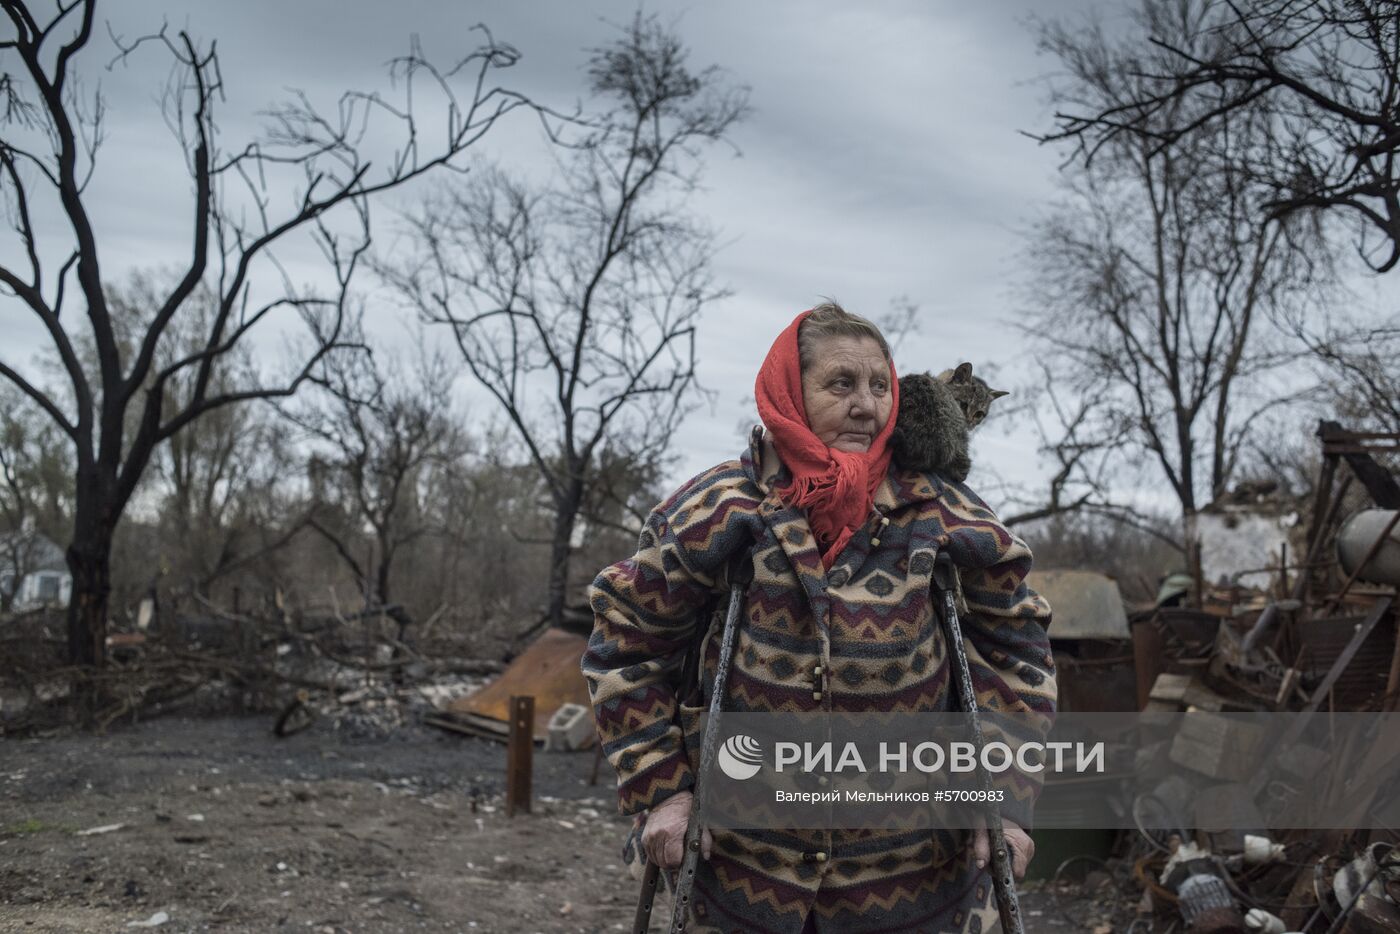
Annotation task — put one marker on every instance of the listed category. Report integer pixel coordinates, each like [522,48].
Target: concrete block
[571,727]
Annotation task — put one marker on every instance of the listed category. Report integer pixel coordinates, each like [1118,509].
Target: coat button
[816,695]
[874,543]
[818,857]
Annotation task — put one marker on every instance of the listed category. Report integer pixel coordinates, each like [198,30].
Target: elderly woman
[839,617]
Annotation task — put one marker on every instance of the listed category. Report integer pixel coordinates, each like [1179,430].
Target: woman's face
[846,391]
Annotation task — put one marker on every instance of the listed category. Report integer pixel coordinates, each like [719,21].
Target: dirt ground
[221,827]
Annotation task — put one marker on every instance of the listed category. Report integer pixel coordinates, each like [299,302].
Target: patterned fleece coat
[870,624]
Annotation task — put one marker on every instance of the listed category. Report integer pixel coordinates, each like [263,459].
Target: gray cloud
[882,159]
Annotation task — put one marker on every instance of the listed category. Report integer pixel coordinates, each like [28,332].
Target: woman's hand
[1020,842]
[663,838]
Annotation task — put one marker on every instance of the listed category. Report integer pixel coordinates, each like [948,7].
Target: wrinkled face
[846,391]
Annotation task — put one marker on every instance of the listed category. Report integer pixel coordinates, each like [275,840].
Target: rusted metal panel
[1365,678]
[1086,604]
[520,753]
[548,670]
[1096,685]
[1188,631]
[1147,659]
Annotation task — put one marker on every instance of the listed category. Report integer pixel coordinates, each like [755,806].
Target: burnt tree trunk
[91,566]
[382,570]
[90,562]
[561,547]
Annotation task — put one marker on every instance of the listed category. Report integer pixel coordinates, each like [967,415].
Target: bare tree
[491,509]
[223,502]
[1357,363]
[575,305]
[1326,73]
[377,431]
[899,322]
[1156,278]
[622,493]
[215,481]
[1083,457]
[120,410]
[1137,555]
[1088,451]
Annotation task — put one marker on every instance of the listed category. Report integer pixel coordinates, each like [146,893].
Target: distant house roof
[1084,604]
[40,554]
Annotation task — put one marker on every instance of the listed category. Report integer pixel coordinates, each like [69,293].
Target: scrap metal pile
[1316,639]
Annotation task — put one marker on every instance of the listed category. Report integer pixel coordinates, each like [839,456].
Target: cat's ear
[998,393]
[963,373]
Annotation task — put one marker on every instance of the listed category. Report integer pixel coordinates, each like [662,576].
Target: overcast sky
[883,158]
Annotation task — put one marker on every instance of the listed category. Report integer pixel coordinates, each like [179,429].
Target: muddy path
[214,825]
[223,827]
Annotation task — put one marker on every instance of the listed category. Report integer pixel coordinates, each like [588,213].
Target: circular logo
[740,757]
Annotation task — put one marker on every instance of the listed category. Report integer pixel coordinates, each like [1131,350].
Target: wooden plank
[1285,688]
[1201,697]
[1220,746]
[1170,688]
[469,726]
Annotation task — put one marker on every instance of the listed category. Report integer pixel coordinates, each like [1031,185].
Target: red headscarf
[836,489]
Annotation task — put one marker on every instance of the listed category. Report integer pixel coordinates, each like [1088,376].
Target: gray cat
[973,394]
[936,414]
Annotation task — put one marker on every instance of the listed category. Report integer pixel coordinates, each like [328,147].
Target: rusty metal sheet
[1086,604]
[1193,631]
[548,671]
[1364,679]
[1096,685]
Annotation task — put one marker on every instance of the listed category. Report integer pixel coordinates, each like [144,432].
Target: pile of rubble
[1272,887]
[354,672]
[1316,638]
